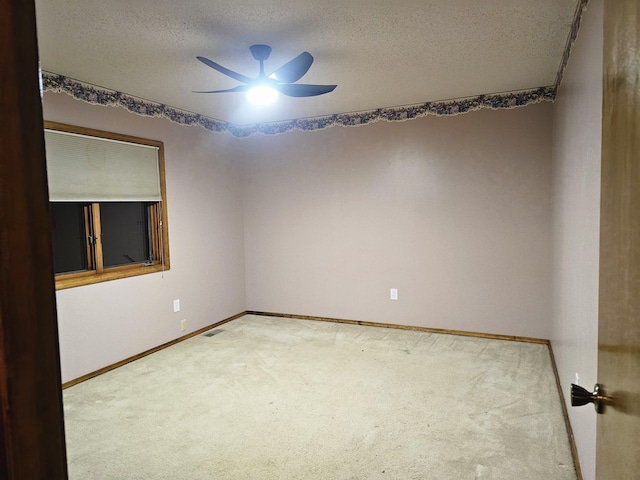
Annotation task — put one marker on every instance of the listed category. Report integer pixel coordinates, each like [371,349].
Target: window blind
[82,168]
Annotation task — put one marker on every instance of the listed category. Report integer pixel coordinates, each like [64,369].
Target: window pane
[125,232]
[69,237]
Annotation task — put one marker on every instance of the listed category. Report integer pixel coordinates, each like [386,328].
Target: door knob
[581,396]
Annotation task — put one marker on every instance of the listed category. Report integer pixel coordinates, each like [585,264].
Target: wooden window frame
[157,213]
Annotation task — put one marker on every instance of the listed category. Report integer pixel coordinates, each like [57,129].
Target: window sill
[114,273]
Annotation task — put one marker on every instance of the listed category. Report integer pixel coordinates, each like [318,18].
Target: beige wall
[105,323]
[454,212]
[576,174]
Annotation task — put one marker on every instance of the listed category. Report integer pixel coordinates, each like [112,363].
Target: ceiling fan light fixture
[263,89]
[262,95]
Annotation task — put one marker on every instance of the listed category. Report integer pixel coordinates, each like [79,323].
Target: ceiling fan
[281,80]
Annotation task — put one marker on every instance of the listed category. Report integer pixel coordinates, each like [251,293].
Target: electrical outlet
[176,305]
[393,294]
[577,379]
[183,324]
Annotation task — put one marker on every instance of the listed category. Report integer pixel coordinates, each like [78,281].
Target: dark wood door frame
[31,421]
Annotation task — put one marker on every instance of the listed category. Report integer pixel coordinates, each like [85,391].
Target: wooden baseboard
[108,368]
[404,327]
[565,413]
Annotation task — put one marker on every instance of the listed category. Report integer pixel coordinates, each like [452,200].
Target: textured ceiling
[380,53]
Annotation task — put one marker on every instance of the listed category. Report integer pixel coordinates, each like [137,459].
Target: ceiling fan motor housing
[260,52]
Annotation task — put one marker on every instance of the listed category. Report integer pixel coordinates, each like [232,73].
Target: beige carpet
[274,398]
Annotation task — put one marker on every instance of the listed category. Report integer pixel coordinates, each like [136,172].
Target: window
[108,205]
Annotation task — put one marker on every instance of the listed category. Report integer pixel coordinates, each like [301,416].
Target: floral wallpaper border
[103,96]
